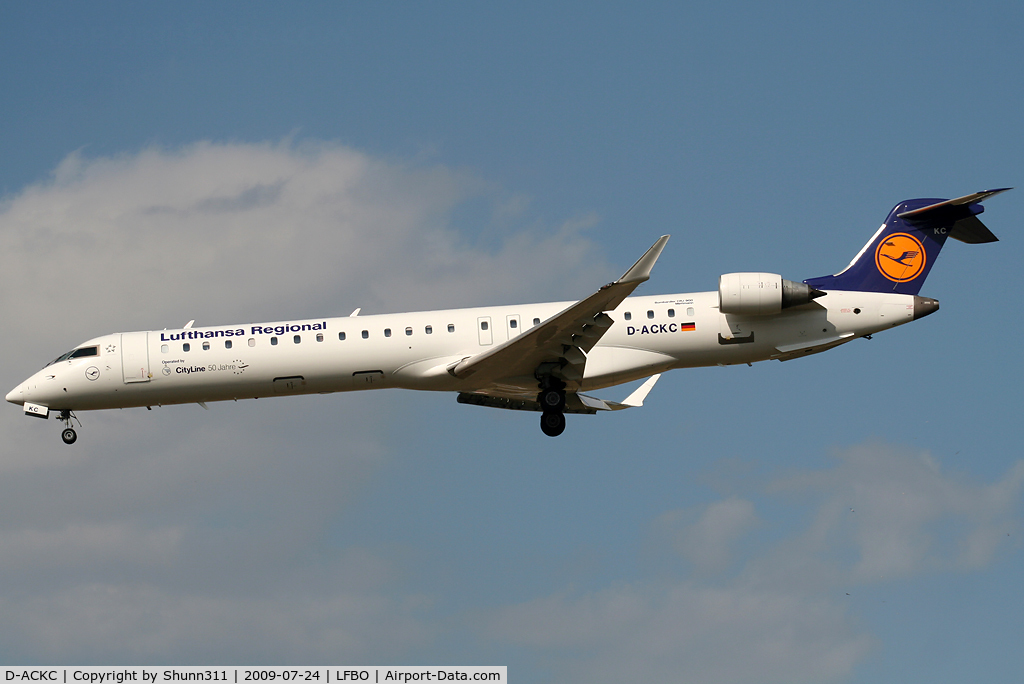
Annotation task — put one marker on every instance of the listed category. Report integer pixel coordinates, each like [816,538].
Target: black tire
[551,400]
[69,435]
[552,424]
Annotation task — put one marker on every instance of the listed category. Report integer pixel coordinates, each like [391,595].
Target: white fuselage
[650,334]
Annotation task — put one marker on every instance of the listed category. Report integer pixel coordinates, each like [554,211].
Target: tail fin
[900,255]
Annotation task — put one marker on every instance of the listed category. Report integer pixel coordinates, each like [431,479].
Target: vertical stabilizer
[900,255]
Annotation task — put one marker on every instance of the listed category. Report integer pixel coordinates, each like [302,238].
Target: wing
[575,402]
[559,345]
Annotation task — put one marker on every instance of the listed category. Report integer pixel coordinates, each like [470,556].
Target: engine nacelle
[761,294]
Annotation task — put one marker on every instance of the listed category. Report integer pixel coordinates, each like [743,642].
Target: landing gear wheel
[552,424]
[69,435]
[551,400]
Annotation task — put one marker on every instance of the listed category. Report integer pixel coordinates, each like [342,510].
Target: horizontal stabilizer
[972,231]
[951,204]
[961,213]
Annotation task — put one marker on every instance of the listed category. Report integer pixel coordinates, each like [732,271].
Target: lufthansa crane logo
[900,257]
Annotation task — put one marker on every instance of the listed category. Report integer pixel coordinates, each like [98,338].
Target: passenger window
[227,344]
[387,332]
[297,339]
[164,348]
[366,334]
[650,314]
[671,313]
[206,346]
[408,331]
[273,341]
[628,316]
[689,311]
[483,325]
[513,323]
[429,329]
[252,341]
[536,321]
[341,336]
[186,347]
[319,337]
[451,327]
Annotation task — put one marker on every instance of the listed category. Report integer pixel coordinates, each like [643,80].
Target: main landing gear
[552,405]
[68,434]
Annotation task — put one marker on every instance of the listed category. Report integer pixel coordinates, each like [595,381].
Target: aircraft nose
[14,396]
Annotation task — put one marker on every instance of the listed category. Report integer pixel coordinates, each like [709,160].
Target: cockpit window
[76,354]
[62,357]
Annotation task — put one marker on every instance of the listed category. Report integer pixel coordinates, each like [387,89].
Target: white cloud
[687,632]
[203,536]
[879,514]
[900,514]
[103,623]
[708,541]
[246,232]
[181,534]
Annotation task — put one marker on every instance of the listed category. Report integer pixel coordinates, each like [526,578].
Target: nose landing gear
[68,434]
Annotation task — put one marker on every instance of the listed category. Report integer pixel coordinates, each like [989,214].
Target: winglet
[637,398]
[634,400]
[641,270]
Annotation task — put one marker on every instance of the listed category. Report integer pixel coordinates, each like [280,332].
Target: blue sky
[850,517]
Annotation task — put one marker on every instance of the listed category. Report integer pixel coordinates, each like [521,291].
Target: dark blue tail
[902,252]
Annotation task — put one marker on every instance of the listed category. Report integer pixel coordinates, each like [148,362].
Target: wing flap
[575,402]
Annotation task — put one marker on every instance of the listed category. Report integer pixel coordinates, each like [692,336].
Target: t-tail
[900,255]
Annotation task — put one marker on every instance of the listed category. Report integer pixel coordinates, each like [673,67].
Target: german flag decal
[687,327]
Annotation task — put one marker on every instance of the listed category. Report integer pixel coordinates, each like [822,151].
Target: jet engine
[761,294]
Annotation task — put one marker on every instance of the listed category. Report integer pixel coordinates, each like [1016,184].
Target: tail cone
[924,306]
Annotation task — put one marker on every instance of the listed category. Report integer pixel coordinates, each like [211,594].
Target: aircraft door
[483,328]
[512,326]
[135,357]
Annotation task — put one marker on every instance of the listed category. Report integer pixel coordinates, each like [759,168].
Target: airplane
[543,357]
